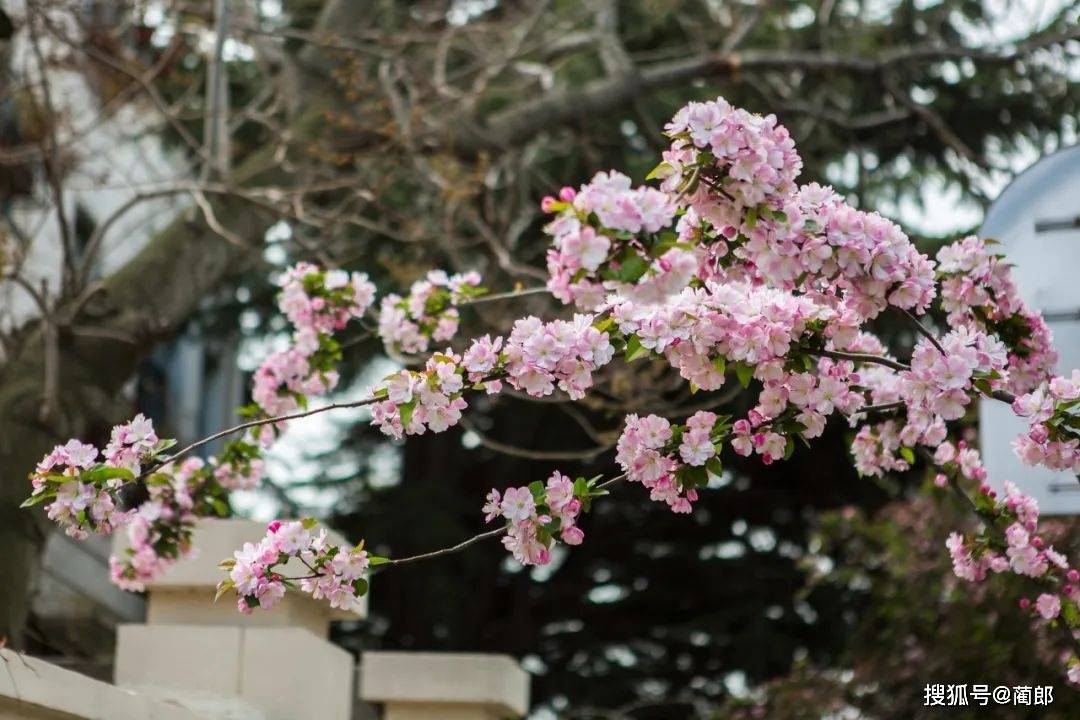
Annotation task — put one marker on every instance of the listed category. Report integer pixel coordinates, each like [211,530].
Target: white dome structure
[1037,221]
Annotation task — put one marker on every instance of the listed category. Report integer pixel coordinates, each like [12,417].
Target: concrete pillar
[276,664]
[444,686]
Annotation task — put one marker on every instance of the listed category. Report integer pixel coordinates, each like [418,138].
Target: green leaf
[693,477]
[223,587]
[789,448]
[751,217]
[581,487]
[1070,613]
[604,323]
[37,499]
[159,480]
[634,350]
[664,242]
[536,487]
[662,170]
[631,268]
[908,454]
[406,411]
[163,445]
[309,522]
[360,585]
[714,466]
[745,373]
[102,473]
[376,560]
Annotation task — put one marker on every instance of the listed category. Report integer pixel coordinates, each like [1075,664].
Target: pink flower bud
[1024,603]
[274,526]
[567,194]
[941,481]
[1073,575]
[548,204]
[573,536]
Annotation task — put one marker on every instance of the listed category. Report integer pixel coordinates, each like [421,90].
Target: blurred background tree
[394,137]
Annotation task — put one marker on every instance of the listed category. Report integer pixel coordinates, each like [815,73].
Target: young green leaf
[36,499]
[745,373]
[634,350]
[223,587]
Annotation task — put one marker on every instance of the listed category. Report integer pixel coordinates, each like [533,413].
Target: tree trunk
[145,302]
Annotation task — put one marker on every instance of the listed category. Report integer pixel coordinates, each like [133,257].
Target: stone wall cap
[494,681]
[32,683]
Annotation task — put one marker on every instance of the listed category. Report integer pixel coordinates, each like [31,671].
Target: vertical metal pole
[216,121]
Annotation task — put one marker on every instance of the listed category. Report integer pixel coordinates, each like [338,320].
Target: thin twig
[861,357]
[529,453]
[883,407]
[448,550]
[504,295]
[924,331]
[256,423]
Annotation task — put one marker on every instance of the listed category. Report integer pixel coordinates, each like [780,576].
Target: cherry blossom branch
[990,520]
[479,537]
[256,423]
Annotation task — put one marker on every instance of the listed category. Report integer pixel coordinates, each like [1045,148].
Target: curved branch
[256,423]
[860,357]
[529,454]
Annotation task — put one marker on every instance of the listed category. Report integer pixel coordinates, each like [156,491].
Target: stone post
[444,686]
[275,664]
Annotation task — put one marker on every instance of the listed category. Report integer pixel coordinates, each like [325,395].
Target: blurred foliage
[915,623]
